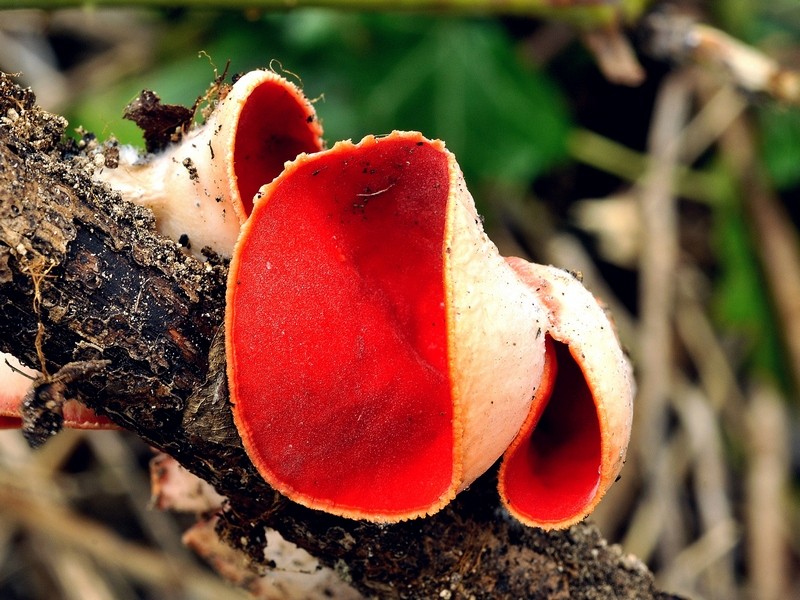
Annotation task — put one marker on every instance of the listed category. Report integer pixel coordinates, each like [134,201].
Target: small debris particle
[159,122]
[111,155]
[187,162]
[184,241]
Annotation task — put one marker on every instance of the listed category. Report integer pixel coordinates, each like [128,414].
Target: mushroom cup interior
[554,471]
[336,331]
[10,422]
[276,124]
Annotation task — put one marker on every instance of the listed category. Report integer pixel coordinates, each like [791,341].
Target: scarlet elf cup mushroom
[382,355]
[201,189]
[572,444]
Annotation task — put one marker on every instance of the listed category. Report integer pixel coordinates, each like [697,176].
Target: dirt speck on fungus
[160,123]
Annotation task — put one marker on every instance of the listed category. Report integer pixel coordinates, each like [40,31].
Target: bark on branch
[129,324]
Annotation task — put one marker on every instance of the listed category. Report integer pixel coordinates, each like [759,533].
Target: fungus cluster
[381,354]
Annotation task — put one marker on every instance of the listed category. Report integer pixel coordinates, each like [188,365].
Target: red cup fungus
[382,355]
[201,189]
[572,445]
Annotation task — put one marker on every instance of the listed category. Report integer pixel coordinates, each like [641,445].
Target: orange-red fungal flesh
[276,124]
[10,422]
[16,380]
[13,387]
[79,416]
[75,415]
[201,189]
[336,331]
[552,469]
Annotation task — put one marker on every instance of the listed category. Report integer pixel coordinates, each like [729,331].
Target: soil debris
[161,124]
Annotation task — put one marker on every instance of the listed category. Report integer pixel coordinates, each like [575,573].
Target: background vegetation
[678,199]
